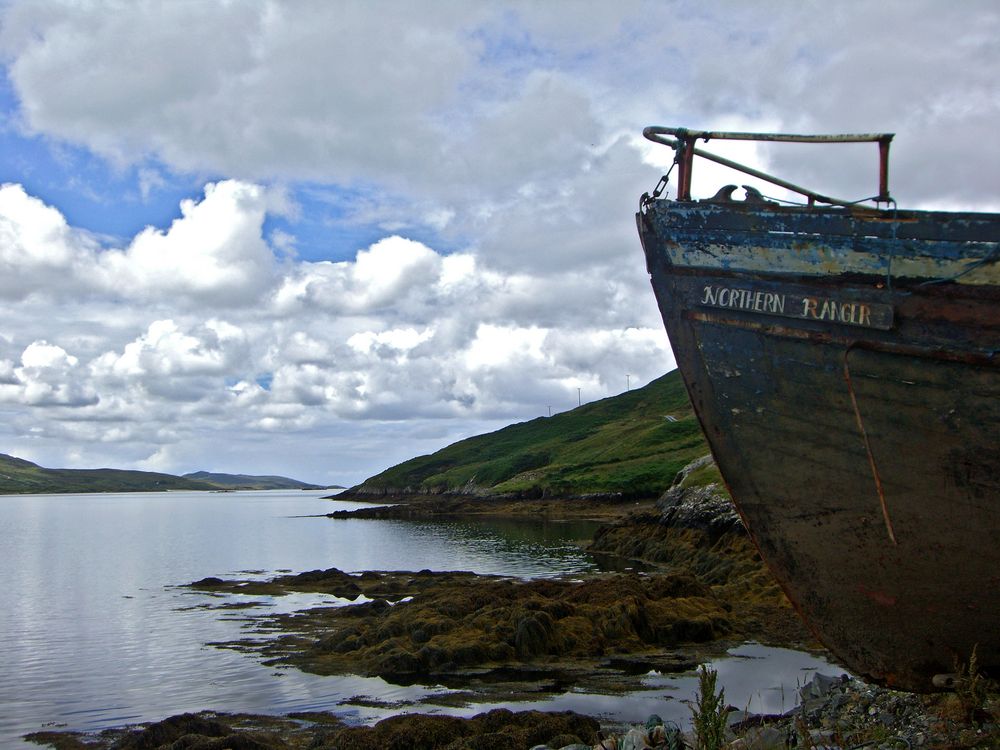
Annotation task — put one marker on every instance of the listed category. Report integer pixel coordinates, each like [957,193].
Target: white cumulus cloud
[214,252]
[48,376]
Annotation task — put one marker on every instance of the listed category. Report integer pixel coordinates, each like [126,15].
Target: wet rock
[58,740]
[763,738]
[563,741]
[399,662]
[495,730]
[206,583]
[707,509]
[173,729]
[820,686]
[204,731]
[634,739]
[232,742]
[533,634]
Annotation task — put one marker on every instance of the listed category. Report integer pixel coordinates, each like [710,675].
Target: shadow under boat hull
[843,365]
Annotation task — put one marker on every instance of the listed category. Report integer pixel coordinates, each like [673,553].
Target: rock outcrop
[705,507]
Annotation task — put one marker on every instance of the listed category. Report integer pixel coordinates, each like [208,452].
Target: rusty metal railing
[683,143]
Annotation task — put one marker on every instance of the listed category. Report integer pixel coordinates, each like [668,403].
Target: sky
[319,238]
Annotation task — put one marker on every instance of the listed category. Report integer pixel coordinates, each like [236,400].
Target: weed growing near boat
[971,689]
[709,712]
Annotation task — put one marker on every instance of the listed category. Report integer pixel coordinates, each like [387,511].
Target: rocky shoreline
[409,506]
[490,636]
[836,712]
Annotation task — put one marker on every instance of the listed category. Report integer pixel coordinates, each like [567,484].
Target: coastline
[406,506]
[703,590]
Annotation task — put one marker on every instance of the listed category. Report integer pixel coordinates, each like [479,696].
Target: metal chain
[648,198]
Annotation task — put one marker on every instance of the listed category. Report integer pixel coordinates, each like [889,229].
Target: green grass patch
[706,475]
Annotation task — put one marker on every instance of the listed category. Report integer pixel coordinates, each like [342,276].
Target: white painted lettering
[812,308]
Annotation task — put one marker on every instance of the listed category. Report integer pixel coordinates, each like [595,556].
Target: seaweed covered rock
[499,729]
[449,622]
[201,731]
[171,730]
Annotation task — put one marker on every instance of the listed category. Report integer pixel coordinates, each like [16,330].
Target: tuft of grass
[709,712]
[971,688]
[706,475]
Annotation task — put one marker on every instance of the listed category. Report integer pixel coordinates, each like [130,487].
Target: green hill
[251,482]
[630,445]
[19,476]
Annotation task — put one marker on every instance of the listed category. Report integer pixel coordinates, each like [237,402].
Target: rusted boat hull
[844,367]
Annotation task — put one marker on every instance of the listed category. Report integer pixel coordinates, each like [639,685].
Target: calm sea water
[96,632]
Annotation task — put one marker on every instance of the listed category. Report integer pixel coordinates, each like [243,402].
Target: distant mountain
[20,476]
[250,482]
[630,446]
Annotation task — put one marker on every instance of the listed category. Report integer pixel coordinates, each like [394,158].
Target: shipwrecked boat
[842,359]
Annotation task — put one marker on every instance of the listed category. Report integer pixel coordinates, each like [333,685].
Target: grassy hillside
[627,444]
[250,481]
[20,476]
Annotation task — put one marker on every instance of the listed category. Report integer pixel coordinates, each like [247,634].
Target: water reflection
[742,673]
[96,633]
